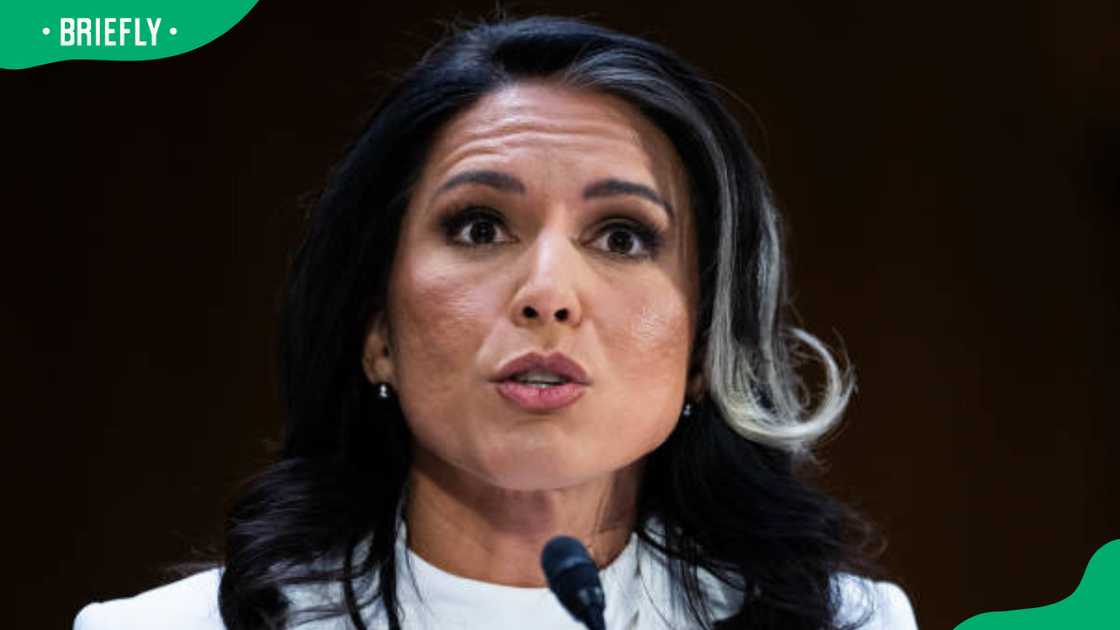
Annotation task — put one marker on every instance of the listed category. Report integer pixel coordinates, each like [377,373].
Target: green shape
[25,44]
[1093,605]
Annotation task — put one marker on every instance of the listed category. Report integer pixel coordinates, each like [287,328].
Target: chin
[539,470]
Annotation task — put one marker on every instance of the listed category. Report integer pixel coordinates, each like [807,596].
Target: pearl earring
[383,391]
[687,411]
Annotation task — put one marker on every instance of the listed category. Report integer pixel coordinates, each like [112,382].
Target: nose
[548,293]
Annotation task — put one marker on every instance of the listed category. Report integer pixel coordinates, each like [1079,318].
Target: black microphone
[574,579]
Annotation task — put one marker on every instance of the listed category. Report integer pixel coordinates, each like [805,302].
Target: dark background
[950,174]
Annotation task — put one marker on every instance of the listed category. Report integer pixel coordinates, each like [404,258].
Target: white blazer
[638,592]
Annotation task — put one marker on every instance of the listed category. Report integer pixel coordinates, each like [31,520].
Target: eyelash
[454,222]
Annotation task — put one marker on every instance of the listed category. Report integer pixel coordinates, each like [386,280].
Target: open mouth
[539,378]
[541,383]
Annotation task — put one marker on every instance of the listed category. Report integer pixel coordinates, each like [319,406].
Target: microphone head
[574,579]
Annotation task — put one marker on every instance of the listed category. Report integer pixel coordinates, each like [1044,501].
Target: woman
[543,294]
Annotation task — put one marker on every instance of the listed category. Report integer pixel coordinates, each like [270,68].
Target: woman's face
[554,221]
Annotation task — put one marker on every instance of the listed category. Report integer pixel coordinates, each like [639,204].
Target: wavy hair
[729,486]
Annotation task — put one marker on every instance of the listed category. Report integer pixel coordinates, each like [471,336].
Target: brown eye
[629,241]
[620,242]
[473,227]
[481,231]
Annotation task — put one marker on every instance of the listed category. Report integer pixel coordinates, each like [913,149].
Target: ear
[377,357]
[697,383]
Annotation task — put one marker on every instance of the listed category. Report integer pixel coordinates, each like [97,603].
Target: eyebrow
[612,187]
[504,182]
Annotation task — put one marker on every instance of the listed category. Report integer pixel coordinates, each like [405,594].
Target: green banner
[1094,604]
[36,32]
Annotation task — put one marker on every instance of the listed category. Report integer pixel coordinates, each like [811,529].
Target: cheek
[651,340]
[660,328]
[647,348]
[438,321]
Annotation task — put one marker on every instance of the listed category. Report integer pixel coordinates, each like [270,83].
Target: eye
[474,226]
[629,240]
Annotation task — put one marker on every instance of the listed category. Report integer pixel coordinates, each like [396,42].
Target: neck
[476,530]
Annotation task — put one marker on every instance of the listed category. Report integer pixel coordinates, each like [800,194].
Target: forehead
[604,134]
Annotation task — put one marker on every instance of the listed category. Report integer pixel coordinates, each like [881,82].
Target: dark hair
[728,486]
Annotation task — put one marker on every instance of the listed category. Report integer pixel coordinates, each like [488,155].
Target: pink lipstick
[538,398]
[536,382]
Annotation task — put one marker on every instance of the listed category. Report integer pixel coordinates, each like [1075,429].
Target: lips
[542,398]
[557,363]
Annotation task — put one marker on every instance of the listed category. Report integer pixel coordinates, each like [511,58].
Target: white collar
[440,599]
[637,585]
